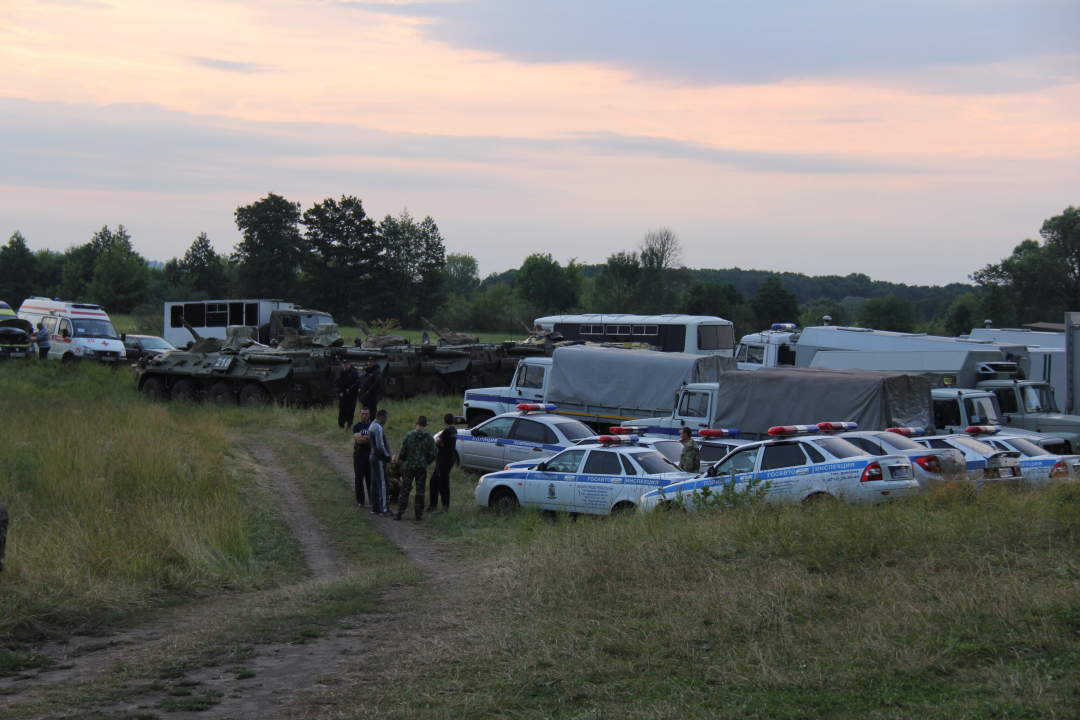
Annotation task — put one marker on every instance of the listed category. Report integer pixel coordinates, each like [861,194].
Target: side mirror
[542,467]
[476,432]
[123,337]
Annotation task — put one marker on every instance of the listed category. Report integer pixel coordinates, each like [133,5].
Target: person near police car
[444,463]
[690,460]
[3,535]
[44,341]
[361,458]
[417,451]
[379,458]
[371,386]
[346,385]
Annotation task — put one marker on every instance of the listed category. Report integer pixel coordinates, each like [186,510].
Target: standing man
[371,386]
[690,460]
[361,458]
[346,385]
[417,452]
[440,478]
[380,456]
[43,339]
[3,535]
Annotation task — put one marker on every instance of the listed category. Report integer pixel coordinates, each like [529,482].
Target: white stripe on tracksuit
[380,449]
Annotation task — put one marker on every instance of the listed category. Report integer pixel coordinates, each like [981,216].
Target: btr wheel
[221,393]
[254,394]
[154,389]
[185,390]
[503,500]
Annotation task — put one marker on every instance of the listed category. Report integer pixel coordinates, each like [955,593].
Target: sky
[912,141]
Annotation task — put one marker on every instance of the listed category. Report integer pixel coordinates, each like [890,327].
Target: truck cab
[1032,405]
[770,348]
[956,409]
[694,404]
[530,385]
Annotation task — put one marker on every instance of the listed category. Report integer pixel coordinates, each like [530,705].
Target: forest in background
[334,257]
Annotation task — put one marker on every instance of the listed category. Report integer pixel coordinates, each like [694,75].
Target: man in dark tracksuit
[370,387]
[361,458]
[3,535]
[346,385]
[380,456]
[444,463]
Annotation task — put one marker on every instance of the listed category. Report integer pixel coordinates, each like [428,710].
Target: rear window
[574,430]
[653,463]
[898,442]
[979,447]
[1025,446]
[839,448]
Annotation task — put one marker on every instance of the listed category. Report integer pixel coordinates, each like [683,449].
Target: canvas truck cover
[754,401]
[645,380]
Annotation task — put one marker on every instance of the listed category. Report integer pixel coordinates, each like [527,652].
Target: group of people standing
[371,450]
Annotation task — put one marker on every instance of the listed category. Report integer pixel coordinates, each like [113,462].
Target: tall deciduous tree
[409,283]
[544,284]
[665,245]
[18,271]
[888,313]
[269,254]
[121,278]
[615,288]
[462,273]
[772,303]
[341,249]
[203,266]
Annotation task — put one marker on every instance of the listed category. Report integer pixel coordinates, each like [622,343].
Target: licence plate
[108,359]
[1005,472]
[16,354]
[898,472]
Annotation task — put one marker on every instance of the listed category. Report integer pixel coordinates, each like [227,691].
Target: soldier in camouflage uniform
[417,452]
[690,460]
[3,535]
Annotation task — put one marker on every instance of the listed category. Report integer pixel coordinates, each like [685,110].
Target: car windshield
[310,321]
[671,449]
[573,430]
[980,411]
[979,447]
[155,343]
[839,448]
[898,442]
[94,328]
[1038,398]
[1026,447]
[653,463]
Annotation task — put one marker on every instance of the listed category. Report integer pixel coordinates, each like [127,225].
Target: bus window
[195,314]
[176,316]
[716,337]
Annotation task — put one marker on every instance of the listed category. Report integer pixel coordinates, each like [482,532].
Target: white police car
[800,464]
[984,462]
[929,466]
[716,443]
[532,434]
[1036,464]
[597,479]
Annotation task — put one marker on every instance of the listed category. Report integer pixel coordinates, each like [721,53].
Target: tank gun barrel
[363,328]
[528,330]
[190,329]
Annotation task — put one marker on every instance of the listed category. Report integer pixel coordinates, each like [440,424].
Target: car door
[530,382]
[693,411]
[485,448]
[599,482]
[553,487]
[530,440]
[787,468]
[134,350]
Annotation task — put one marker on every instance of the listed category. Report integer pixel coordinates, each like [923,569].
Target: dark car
[140,346]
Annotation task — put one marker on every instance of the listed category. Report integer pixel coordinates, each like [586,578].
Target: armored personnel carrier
[240,370]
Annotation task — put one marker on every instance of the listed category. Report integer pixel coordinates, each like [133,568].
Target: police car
[596,479]
[801,464]
[533,433]
[1036,464]
[984,462]
[929,466]
[716,443]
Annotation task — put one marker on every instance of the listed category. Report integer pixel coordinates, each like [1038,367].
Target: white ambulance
[79,331]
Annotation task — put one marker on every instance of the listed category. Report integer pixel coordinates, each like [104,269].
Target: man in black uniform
[3,535]
[370,386]
[444,463]
[361,458]
[346,385]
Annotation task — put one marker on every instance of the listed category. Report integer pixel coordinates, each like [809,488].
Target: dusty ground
[275,679]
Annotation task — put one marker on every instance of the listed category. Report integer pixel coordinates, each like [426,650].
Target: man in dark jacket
[346,385]
[444,463]
[370,387]
[3,535]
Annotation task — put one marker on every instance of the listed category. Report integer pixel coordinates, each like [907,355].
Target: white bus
[694,334]
[211,317]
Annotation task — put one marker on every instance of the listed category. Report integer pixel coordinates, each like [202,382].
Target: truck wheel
[254,394]
[221,393]
[154,389]
[503,500]
[480,417]
[185,390]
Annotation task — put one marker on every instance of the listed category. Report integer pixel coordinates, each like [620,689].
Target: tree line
[334,257]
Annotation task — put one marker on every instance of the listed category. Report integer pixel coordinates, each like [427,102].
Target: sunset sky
[911,141]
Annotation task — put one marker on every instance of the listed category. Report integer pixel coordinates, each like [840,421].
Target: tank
[240,370]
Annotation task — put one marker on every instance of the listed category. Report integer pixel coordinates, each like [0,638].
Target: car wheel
[819,498]
[154,389]
[672,506]
[624,508]
[185,390]
[221,393]
[479,418]
[503,500]
[68,360]
[254,394]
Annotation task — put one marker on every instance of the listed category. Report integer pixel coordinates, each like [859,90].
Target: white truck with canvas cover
[78,331]
[600,387]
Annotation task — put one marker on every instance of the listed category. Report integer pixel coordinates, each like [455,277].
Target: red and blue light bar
[908,431]
[837,427]
[793,430]
[536,407]
[617,439]
[628,429]
[784,326]
[983,430]
[718,432]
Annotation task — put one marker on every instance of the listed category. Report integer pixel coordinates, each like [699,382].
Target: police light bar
[536,407]
[789,430]
[909,431]
[784,326]
[627,429]
[707,432]
[616,439]
[835,427]
[983,430]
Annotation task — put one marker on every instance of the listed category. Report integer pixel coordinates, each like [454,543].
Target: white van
[80,331]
